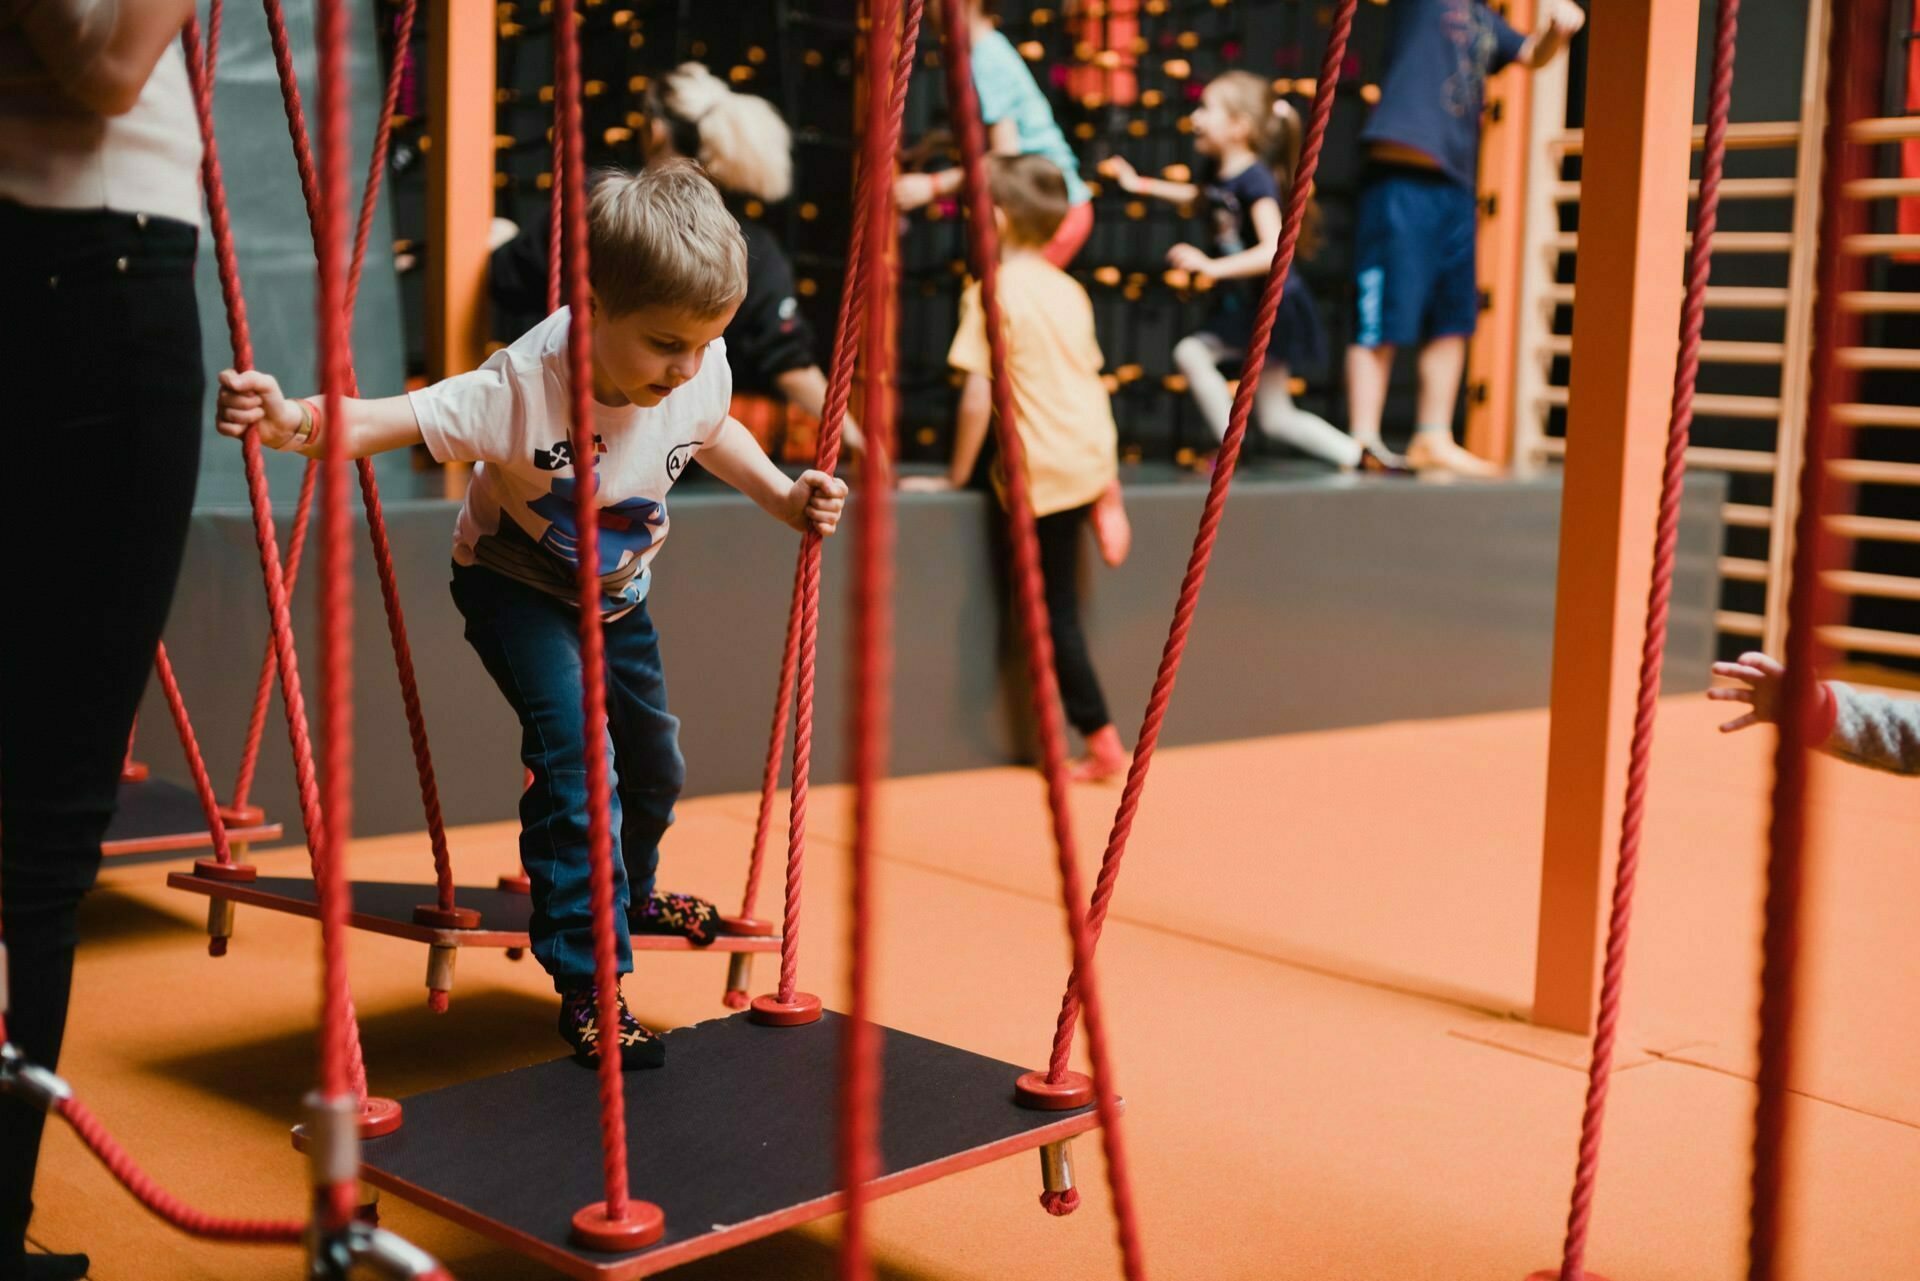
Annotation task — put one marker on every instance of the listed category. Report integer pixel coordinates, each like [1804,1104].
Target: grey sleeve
[1876,730]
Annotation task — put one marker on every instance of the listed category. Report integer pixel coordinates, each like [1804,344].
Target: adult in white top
[99,201]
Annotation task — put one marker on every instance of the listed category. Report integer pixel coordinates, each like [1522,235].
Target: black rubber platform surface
[734,1138]
[155,815]
[155,807]
[501,910]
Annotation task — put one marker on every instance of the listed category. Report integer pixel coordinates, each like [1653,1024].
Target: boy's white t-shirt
[511,416]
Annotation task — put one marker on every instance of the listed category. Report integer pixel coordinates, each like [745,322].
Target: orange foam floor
[1317,971]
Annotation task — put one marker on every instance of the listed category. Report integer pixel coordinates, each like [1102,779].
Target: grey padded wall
[274,246]
[1329,604]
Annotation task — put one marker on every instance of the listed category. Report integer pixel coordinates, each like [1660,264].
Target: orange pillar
[1639,116]
[460,121]
[1494,350]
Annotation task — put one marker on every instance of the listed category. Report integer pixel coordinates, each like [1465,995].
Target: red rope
[270,664]
[964,108]
[196,764]
[240,332]
[1653,643]
[167,1207]
[1855,63]
[556,225]
[337,1029]
[803,623]
[890,50]
[777,739]
[409,685]
[593,659]
[369,484]
[1208,532]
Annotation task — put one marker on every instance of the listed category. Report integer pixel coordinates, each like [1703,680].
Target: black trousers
[1061,536]
[100,415]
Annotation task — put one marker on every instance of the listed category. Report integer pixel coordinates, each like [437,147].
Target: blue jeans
[530,644]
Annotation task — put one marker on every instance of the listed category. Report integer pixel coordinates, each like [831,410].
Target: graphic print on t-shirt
[679,456]
[561,454]
[625,528]
[510,416]
[1471,32]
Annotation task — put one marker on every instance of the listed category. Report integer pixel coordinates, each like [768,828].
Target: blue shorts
[1413,259]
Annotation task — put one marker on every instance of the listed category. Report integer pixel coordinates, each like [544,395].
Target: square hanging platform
[734,1139]
[386,907]
[157,817]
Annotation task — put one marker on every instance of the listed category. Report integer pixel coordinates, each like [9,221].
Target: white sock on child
[1198,356]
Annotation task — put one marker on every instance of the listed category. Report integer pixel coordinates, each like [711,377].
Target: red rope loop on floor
[369,484]
[891,44]
[1653,643]
[1855,73]
[593,658]
[196,764]
[167,1207]
[1209,529]
[874,166]
[964,109]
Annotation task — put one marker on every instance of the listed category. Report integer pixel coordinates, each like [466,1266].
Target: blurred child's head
[668,267]
[739,139]
[1235,111]
[1030,194]
[1239,110]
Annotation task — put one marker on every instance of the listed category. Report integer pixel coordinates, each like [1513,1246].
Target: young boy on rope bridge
[1868,729]
[1062,413]
[668,269]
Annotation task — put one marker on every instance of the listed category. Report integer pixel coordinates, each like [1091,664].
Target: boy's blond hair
[1031,192]
[662,238]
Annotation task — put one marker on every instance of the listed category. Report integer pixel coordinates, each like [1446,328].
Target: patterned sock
[676,915]
[580,1029]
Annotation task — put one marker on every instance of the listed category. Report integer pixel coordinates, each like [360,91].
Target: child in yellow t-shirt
[1061,411]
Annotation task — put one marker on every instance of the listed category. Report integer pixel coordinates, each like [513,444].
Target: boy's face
[648,352]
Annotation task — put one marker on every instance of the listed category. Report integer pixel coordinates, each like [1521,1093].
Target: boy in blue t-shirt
[1414,235]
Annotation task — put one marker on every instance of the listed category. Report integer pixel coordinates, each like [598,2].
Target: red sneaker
[1105,759]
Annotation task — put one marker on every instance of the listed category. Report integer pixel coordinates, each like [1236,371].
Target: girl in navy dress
[1251,143]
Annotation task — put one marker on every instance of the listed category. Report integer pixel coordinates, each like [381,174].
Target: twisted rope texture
[369,485]
[280,624]
[163,1204]
[593,658]
[803,618]
[964,107]
[1653,644]
[890,48]
[196,765]
[1855,63]
[1207,534]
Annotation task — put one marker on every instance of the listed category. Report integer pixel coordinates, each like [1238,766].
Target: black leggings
[103,386]
[1060,542]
